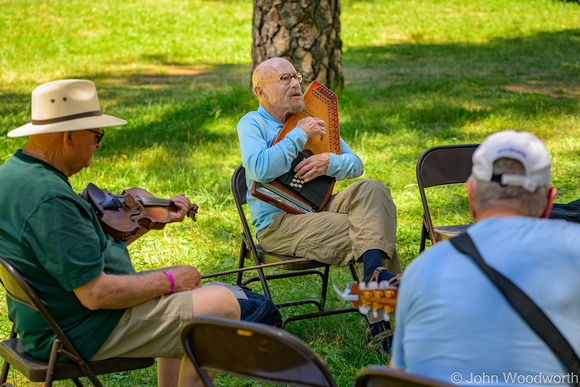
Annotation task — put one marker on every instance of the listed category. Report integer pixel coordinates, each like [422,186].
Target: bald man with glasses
[358,223]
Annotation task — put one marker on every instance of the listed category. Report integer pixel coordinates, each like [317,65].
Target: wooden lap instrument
[292,194]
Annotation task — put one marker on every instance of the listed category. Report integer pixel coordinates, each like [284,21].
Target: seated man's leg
[360,222]
[322,236]
[360,218]
[372,216]
[373,219]
[152,329]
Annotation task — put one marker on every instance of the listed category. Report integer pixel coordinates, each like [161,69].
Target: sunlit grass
[418,73]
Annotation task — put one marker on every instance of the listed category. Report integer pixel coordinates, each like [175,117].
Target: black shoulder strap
[526,308]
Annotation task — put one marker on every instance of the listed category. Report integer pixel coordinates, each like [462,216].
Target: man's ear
[469,187]
[260,92]
[67,140]
[551,196]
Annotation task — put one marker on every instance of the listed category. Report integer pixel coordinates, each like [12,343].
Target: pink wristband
[171,280]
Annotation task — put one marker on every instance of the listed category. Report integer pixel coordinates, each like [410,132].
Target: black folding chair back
[254,351]
[442,165]
[36,370]
[380,376]
[258,256]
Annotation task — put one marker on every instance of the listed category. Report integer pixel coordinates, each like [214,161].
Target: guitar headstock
[373,297]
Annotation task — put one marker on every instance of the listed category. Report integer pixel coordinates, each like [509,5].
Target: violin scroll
[193,211]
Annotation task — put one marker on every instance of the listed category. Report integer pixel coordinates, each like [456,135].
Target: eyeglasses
[100,134]
[286,78]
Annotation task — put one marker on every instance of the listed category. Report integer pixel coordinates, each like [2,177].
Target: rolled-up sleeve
[347,165]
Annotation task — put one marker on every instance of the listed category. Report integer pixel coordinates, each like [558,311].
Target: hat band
[66,118]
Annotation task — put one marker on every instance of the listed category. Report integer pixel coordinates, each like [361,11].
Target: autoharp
[289,192]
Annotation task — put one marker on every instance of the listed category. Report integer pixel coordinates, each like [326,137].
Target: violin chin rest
[95,193]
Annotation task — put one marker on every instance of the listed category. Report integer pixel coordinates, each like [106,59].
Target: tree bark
[306,32]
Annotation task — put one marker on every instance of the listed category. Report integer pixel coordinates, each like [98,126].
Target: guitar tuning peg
[364,309]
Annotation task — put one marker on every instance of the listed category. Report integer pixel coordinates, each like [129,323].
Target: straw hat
[65,105]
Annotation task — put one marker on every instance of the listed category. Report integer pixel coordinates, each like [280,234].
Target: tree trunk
[306,32]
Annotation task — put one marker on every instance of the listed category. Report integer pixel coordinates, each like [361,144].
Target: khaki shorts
[150,329]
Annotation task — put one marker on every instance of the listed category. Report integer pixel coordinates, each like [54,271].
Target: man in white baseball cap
[85,277]
[452,322]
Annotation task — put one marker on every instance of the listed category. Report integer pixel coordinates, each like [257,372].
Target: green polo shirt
[53,238]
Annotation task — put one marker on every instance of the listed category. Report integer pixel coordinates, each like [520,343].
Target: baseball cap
[522,146]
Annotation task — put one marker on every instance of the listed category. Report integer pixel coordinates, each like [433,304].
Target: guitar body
[287,192]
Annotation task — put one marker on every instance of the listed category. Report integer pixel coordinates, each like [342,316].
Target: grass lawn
[418,73]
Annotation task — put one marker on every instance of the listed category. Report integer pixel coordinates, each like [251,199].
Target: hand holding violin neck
[153,201]
[135,210]
[181,207]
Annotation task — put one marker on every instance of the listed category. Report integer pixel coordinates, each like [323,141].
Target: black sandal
[375,342]
[395,281]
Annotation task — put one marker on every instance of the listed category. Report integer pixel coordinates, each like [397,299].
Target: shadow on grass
[410,86]
[442,87]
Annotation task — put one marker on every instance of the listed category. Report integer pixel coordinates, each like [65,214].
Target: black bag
[259,308]
[569,211]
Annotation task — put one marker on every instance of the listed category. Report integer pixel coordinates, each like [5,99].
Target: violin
[122,216]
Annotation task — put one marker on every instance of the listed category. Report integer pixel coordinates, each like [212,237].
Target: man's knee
[217,301]
[375,185]
[229,305]
[372,188]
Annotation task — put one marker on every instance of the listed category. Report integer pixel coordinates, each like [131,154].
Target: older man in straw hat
[85,277]
[452,322]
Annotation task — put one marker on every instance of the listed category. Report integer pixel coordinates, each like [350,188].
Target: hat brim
[102,121]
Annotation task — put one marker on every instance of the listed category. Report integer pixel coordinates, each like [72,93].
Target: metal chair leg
[5,369]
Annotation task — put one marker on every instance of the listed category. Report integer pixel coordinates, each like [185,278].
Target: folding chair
[254,351]
[380,376]
[253,251]
[36,370]
[441,165]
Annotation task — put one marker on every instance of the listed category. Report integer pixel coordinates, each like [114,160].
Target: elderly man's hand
[313,166]
[312,126]
[182,204]
[185,277]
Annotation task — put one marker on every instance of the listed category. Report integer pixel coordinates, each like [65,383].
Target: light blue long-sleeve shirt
[263,162]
